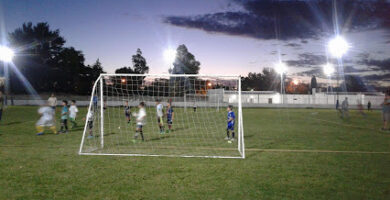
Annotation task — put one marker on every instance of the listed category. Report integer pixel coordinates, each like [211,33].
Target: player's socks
[233,134]
[142,135]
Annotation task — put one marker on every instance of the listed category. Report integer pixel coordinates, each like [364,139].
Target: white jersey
[47,118]
[90,116]
[73,111]
[159,110]
[52,101]
[141,116]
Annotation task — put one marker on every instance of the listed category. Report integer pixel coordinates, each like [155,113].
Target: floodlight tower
[281,68]
[338,47]
[6,56]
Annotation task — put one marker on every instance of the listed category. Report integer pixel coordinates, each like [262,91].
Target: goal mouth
[171,115]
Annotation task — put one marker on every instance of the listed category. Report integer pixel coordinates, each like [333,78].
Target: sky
[226,36]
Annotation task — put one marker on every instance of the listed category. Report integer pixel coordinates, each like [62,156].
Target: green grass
[48,167]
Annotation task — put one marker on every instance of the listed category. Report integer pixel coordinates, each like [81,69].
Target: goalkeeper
[160,114]
[140,120]
[170,116]
[230,123]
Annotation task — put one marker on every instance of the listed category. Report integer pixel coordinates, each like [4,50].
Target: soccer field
[290,154]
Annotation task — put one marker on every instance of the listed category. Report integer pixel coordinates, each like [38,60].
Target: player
[52,101]
[194,107]
[369,106]
[46,120]
[73,110]
[170,116]
[345,108]
[90,123]
[141,115]
[160,114]
[361,108]
[64,117]
[127,111]
[230,123]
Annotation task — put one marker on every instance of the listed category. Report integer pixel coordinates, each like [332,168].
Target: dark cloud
[290,19]
[381,65]
[307,60]
[378,77]
[294,45]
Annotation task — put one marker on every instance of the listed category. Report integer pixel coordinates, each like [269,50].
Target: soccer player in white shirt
[46,120]
[160,114]
[73,113]
[52,101]
[141,115]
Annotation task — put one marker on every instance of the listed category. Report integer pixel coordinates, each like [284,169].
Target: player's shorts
[90,124]
[230,126]
[159,120]
[386,116]
[64,121]
[44,122]
[169,121]
[139,126]
[127,114]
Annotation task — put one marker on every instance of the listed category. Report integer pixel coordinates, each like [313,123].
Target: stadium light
[338,46]
[209,84]
[328,69]
[123,80]
[6,54]
[295,82]
[169,55]
[280,68]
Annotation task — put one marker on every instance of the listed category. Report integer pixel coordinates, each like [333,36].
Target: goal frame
[100,79]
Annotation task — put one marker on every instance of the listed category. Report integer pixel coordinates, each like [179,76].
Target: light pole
[6,56]
[337,47]
[328,71]
[281,68]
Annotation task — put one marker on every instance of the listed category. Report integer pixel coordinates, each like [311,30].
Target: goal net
[164,115]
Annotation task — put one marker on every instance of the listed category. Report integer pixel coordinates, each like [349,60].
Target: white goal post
[184,116]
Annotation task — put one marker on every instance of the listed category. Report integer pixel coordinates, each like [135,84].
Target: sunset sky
[226,36]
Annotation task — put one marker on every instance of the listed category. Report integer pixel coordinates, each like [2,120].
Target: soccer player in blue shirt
[230,123]
[127,111]
[170,116]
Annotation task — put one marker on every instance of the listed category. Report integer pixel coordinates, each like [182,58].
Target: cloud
[307,60]
[382,65]
[378,77]
[290,19]
[294,45]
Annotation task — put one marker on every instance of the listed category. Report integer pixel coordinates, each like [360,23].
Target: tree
[185,62]
[354,84]
[139,63]
[313,83]
[97,69]
[124,70]
[38,46]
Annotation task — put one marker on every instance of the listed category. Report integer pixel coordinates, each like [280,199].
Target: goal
[196,126]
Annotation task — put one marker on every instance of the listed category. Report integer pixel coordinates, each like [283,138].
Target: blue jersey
[169,114]
[231,116]
[64,112]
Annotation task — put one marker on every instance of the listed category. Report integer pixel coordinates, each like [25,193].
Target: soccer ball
[229,142]
[119,127]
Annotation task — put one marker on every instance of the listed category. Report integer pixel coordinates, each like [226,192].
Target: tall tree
[97,69]
[313,83]
[37,46]
[139,63]
[185,62]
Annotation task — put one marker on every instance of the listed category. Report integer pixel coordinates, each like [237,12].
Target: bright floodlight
[328,69]
[295,81]
[280,68]
[170,55]
[338,46]
[6,54]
